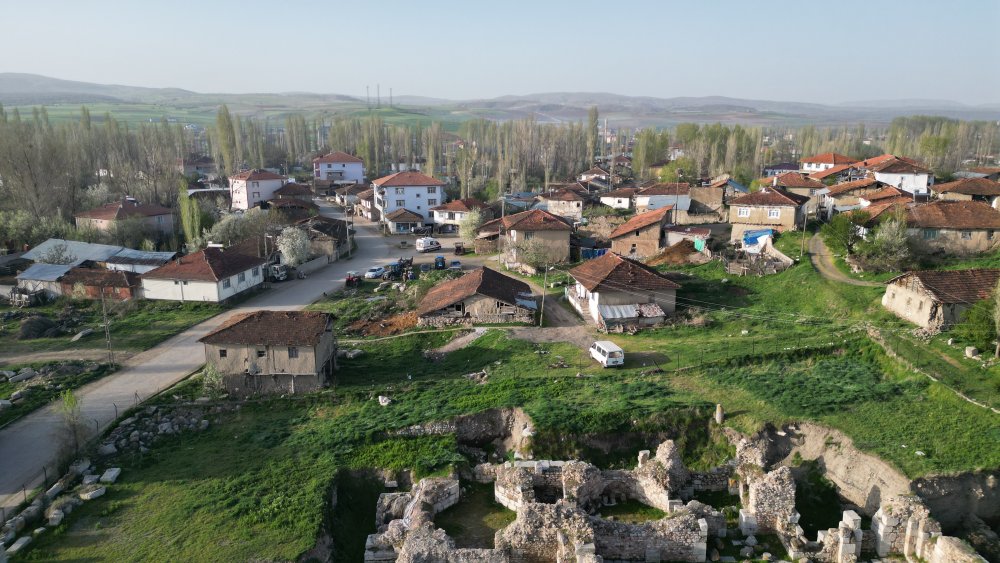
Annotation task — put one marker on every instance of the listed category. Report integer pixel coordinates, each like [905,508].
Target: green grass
[353,518]
[40,395]
[632,512]
[476,518]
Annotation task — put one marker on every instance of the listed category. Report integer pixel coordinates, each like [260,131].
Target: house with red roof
[619,293]
[252,187]
[448,217]
[767,208]
[800,184]
[970,189]
[643,235]
[904,173]
[154,218]
[404,200]
[565,203]
[339,167]
[528,239]
[824,161]
[213,274]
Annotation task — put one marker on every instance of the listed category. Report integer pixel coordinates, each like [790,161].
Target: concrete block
[852,520]
[21,543]
[111,475]
[92,493]
[90,479]
[56,517]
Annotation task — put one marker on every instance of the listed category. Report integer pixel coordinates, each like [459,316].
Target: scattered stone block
[5,404]
[80,466]
[56,517]
[111,475]
[82,334]
[38,531]
[746,552]
[971,352]
[720,415]
[107,449]
[750,541]
[92,492]
[54,490]
[90,479]
[19,545]
[23,375]
[384,401]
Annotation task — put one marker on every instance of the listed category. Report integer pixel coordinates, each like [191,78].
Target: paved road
[822,260]
[33,442]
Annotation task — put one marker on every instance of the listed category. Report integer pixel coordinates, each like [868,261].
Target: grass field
[41,395]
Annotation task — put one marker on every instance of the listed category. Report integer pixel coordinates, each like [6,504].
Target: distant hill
[18,89]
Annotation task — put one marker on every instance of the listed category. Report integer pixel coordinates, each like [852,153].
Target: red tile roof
[257,175]
[404,216]
[460,205]
[969,186]
[272,328]
[93,277]
[401,179]
[127,207]
[666,188]
[846,187]
[830,171]
[641,221]
[953,286]
[770,197]
[621,192]
[566,194]
[292,189]
[211,264]
[986,170]
[482,281]
[336,156]
[532,220]
[882,158]
[828,158]
[887,193]
[796,180]
[953,215]
[898,166]
[612,272]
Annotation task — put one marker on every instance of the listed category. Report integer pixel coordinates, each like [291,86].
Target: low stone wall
[771,499]
[440,321]
[245,385]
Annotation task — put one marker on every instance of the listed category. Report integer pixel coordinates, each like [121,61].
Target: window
[255,272]
[528,235]
[432,202]
[261,353]
[773,213]
[930,234]
[743,212]
[432,189]
[255,184]
[400,203]
[256,195]
[242,277]
[418,195]
[226,284]
[966,235]
[637,233]
[989,235]
[293,352]
[400,191]
[222,353]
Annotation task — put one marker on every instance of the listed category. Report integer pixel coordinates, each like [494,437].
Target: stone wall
[771,499]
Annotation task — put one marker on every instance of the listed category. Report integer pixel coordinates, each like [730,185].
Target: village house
[796,183]
[365,206]
[153,218]
[273,352]
[565,203]
[674,194]
[98,283]
[988,172]
[137,261]
[448,217]
[780,168]
[212,274]
[643,235]
[620,198]
[887,196]
[328,237]
[903,173]
[935,300]
[339,167]
[845,196]
[293,209]
[618,294]
[767,208]
[595,173]
[347,196]
[953,227]
[528,240]
[201,165]
[294,191]
[698,235]
[825,161]
[480,296]
[969,189]
[839,174]
[253,187]
[409,192]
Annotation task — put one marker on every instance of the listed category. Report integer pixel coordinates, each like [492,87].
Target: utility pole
[107,329]
[545,285]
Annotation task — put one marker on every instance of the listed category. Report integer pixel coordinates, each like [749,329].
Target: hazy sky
[780,50]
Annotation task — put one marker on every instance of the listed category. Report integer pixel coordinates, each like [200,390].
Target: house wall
[814,202]
[51,288]
[241,357]
[177,290]
[347,171]
[665,298]
[644,243]
[707,200]
[815,166]
[418,199]
[952,241]
[568,209]
[81,291]
[653,202]
[912,183]
[478,309]
[554,244]
[913,305]
[246,196]
[617,202]
[759,219]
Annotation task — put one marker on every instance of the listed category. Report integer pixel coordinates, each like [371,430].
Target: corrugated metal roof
[79,251]
[141,257]
[44,272]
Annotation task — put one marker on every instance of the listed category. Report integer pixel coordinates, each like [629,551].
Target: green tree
[888,248]
[190,213]
[592,137]
[225,139]
[74,429]
[842,233]
[469,227]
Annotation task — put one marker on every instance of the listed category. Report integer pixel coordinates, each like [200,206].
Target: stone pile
[140,431]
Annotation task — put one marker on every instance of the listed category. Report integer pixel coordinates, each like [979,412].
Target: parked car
[428,244]
[455,265]
[439,263]
[374,273]
[424,268]
[607,353]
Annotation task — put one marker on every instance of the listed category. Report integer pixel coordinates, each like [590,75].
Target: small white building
[213,274]
[907,175]
[251,188]
[410,191]
[620,198]
[448,217]
[339,166]
[662,195]
[825,161]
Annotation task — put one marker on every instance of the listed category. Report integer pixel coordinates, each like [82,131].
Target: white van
[607,353]
[428,244]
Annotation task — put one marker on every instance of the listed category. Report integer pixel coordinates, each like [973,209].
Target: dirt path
[461,341]
[822,260]
[89,354]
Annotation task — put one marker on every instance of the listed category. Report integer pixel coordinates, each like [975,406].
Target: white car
[374,273]
[607,353]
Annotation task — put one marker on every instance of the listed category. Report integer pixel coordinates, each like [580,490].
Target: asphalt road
[33,442]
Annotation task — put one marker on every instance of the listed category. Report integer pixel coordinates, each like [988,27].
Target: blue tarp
[588,253]
[750,237]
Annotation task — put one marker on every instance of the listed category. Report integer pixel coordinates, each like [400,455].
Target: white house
[339,167]
[213,274]
[251,188]
[595,173]
[907,175]
[824,161]
[620,198]
[448,217]
[664,194]
[410,191]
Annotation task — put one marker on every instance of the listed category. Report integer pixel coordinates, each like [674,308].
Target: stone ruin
[556,504]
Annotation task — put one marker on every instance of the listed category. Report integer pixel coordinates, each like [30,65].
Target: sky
[801,50]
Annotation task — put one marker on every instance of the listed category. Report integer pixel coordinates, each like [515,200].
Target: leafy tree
[841,233]
[294,246]
[190,213]
[74,429]
[888,248]
[592,137]
[978,324]
[469,227]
